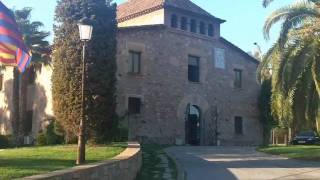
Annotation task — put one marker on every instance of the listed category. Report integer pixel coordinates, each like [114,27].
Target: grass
[151,161]
[294,152]
[173,167]
[21,162]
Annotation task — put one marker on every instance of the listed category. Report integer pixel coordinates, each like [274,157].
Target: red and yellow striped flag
[13,51]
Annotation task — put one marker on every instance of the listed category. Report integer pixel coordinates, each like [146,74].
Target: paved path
[231,163]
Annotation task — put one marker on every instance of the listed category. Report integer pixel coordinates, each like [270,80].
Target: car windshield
[308,133]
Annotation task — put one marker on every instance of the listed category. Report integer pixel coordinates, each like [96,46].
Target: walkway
[231,163]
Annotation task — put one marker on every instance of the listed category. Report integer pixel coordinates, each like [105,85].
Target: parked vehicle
[306,137]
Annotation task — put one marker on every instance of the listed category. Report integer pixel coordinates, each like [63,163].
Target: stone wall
[165,91]
[125,166]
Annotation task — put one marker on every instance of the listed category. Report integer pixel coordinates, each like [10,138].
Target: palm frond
[34,37]
[265,3]
[266,63]
[292,16]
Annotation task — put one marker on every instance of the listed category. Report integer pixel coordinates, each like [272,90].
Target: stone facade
[162,86]
[165,91]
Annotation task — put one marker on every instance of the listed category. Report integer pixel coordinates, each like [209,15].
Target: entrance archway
[193,125]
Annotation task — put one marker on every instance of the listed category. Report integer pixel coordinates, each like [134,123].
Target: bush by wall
[49,136]
[4,141]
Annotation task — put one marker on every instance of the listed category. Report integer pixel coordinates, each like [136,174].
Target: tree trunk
[317,123]
[318,120]
[15,116]
[290,135]
[316,74]
[23,101]
[273,137]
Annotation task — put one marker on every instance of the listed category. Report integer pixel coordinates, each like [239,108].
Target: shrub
[52,137]
[4,141]
[41,139]
[118,133]
[49,136]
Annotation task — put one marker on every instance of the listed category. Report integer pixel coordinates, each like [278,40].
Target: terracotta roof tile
[134,8]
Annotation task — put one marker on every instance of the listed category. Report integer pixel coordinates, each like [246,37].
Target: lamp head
[85,29]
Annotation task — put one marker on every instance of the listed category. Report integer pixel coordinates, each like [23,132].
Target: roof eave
[146,11]
[252,59]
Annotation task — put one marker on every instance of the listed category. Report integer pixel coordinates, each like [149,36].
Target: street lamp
[85,31]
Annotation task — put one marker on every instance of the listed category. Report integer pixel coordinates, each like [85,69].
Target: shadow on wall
[40,117]
[34,118]
[5,110]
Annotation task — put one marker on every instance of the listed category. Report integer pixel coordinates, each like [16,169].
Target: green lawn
[21,162]
[295,152]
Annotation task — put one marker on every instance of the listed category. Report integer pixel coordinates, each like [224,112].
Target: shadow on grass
[34,163]
[17,168]
[151,167]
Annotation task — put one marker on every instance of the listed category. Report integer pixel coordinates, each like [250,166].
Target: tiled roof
[134,8]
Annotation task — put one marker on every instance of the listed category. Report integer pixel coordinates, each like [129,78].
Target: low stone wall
[125,166]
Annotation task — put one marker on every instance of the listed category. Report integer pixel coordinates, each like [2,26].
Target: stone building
[179,81]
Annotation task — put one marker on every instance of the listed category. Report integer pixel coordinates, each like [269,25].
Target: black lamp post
[85,31]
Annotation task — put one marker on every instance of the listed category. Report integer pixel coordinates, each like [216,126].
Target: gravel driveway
[230,163]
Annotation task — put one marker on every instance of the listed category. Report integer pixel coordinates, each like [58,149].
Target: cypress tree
[101,67]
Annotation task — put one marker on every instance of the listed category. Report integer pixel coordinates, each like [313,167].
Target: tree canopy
[295,62]
[101,67]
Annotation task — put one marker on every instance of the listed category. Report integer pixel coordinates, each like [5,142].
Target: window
[193,68]
[193,26]
[134,105]
[183,23]
[135,61]
[174,21]
[238,78]
[238,125]
[210,30]
[202,28]
[1,82]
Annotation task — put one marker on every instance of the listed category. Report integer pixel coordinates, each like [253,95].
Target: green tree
[34,38]
[266,117]
[101,67]
[295,64]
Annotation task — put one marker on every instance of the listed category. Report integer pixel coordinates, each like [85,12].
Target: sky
[245,18]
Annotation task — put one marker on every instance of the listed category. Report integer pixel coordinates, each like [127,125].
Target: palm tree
[35,40]
[295,60]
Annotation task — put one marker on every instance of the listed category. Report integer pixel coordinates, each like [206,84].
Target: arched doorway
[193,125]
